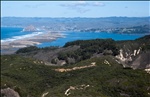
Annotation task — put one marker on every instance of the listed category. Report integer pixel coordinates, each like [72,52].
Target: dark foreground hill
[107,78]
[91,68]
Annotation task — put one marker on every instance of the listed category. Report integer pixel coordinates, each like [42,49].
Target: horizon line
[77,17]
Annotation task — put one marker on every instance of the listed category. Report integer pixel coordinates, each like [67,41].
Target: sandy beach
[12,46]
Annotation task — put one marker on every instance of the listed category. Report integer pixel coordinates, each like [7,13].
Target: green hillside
[91,68]
[31,78]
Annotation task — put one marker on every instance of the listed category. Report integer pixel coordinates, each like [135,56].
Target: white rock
[44,94]
[134,52]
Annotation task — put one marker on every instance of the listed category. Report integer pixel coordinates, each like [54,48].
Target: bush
[27,49]
[54,61]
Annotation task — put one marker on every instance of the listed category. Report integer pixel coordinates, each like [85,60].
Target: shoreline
[9,47]
[39,39]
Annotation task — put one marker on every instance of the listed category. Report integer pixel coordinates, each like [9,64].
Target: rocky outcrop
[148,71]
[71,88]
[30,28]
[142,61]
[44,94]
[135,59]
[8,92]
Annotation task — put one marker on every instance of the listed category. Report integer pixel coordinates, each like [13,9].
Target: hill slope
[93,69]
[106,79]
[127,52]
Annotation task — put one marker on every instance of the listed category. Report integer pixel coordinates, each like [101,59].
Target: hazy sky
[75,8]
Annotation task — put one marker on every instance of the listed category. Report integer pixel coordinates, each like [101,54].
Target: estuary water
[15,33]
[72,36]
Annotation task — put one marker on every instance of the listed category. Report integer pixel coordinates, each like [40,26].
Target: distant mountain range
[75,24]
[143,29]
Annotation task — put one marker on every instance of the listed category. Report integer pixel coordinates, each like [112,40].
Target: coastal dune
[29,41]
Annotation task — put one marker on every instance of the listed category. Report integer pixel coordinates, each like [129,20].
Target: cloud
[75,4]
[81,6]
[78,9]
[83,3]
[81,10]
[35,6]
[98,4]
[80,3]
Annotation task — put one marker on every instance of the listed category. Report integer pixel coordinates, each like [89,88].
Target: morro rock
[30,28]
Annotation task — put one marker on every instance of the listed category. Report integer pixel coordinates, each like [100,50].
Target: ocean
[14,33]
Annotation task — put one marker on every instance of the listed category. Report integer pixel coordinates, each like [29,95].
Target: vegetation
[88,48]
[145,41]
[33,79]
[34,48]
[79,50]
[27,49]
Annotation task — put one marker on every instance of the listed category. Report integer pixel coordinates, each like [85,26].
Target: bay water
[14,33]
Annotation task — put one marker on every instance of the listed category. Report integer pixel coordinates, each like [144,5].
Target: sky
[75,8]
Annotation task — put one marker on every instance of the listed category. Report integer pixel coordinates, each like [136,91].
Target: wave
[21,37]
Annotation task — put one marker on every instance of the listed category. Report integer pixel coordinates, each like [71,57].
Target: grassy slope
[28,78]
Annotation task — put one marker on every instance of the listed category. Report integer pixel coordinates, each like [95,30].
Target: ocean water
[8,32]
[15,33]
[12,33]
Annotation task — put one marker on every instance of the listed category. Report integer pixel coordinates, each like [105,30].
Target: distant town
[129,25]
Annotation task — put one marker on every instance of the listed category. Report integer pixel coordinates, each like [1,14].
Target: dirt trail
[75,68]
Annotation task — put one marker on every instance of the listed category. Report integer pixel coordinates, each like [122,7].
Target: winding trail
[75,68]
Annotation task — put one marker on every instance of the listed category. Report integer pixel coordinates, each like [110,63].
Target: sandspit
[29,41]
